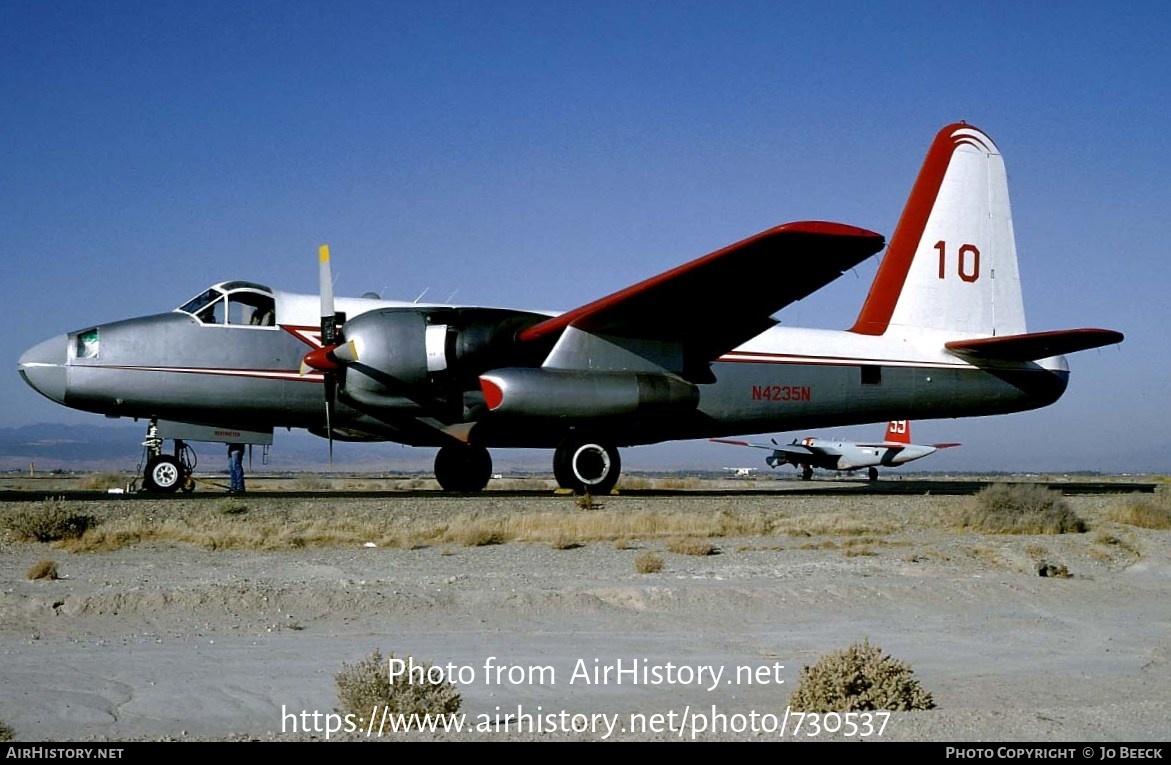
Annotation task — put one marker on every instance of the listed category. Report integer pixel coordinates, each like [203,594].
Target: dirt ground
[177,641]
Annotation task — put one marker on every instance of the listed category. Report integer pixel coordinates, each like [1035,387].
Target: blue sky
[542,154]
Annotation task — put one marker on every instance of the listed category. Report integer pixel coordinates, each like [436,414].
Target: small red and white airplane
[846,456]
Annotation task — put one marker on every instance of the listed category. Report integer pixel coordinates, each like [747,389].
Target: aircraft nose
[43,367]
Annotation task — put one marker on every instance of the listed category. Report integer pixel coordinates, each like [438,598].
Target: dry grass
[1144,512]
[274,523]
[6,732]
[648,563]
[103,481]
[689,546]
[42,569]
[565,542]
[50,520]
[1018,509]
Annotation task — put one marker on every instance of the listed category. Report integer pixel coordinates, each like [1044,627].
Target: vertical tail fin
[898,431]
[952,263]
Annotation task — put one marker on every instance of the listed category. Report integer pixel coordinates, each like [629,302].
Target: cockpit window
[251,309]
[193,305]
[244,305]
[212,313]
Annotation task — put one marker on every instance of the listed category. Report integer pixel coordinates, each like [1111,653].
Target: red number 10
[967,263]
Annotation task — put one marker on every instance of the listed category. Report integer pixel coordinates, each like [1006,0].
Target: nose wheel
[164,473]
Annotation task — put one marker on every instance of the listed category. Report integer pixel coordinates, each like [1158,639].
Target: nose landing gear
[167,473]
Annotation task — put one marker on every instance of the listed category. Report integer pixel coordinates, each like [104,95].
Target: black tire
[163,474]
[806,473]
[561,470]
[872,474]
[463,468]
[587,466]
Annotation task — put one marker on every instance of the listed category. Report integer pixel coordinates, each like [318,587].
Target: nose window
[87,344]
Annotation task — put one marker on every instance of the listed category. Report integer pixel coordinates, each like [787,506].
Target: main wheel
[463,467]
[163,474]
[586,466]
[872,474]
[806,473]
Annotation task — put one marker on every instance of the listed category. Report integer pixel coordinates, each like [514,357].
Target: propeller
[323,359]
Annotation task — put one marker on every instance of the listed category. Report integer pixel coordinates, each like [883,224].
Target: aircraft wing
[742,443]
[716,302]
[800,450]
[1035,345]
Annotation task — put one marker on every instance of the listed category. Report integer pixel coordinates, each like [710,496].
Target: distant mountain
[83,446]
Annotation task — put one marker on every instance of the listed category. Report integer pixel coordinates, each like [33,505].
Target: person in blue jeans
[236,468]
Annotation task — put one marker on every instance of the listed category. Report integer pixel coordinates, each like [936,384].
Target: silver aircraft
[846,456]
[690,353]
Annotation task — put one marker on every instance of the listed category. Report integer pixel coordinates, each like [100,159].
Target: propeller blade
[330,389]
[325,285]
[319,359]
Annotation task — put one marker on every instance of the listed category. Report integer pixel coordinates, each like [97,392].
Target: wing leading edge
[712,304]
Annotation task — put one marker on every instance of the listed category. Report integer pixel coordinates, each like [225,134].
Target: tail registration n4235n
[690,353]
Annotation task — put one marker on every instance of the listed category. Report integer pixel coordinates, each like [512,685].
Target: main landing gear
[586,465]
[167,473]
[463,467]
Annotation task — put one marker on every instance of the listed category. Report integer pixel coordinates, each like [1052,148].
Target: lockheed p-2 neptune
[812,452]
[691,353]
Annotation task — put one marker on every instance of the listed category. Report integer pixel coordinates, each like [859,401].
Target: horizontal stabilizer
[1035,345]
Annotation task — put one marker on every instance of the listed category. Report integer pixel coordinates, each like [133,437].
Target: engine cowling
[584,395]
[411,358]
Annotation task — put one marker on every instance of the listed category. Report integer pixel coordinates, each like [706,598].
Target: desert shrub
[586,502]
[1143,512]
[564,541]
[6,733]
[691,547]
[366,688]
[1006,508]
[858,678]
[42,569]
[481,535]
[648,563]
[47,521]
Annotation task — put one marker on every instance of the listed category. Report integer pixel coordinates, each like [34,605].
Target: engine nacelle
[386,356]
[404,358]
[582,395]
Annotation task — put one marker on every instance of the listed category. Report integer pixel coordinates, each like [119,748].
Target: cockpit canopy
[237,303]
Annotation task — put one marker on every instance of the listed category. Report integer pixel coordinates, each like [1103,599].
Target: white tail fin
[898,431]
[952,263]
